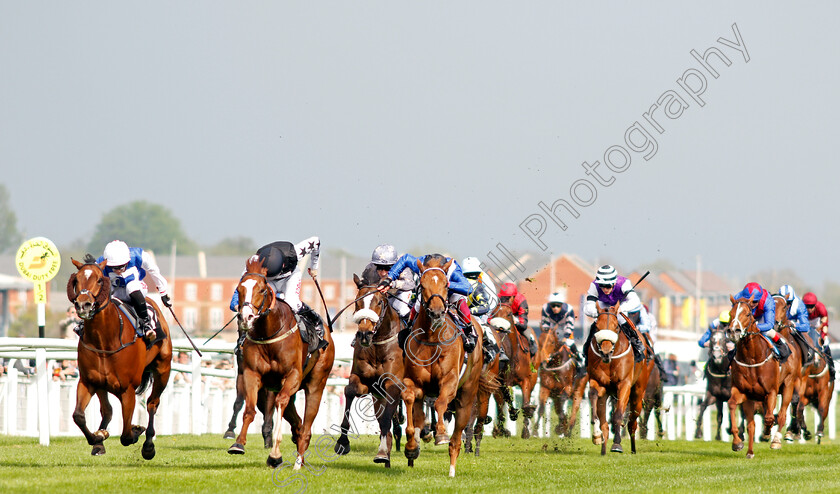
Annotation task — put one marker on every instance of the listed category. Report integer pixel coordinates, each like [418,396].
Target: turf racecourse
[200,464]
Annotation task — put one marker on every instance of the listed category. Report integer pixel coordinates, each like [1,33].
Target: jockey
[381,261]
[764,311]
[284,274]
[561,316]
[519,309]
[719,324]
[459,290]
[127,267]
[482,301]
[818,318]
[606,290]
[797,313]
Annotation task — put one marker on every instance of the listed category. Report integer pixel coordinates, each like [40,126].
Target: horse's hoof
[807,435]
[526,434]
[737,447]
[229,434]
[616,448]
[505,432]
[102,433]
[148,450]
[596,440]
[236,449]
[383,459]
[718,438]
[750,456]
[412,454]
[558,430]
[98,450]
[789,437]
[342,446]
[426,436]
[441,439]
[487,420]
[513,414]
[776,445]
[273,462]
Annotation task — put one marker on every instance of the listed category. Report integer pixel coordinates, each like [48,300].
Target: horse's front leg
[412,445]
[448,388]
[353,389]
[252,383]
[84,393]
[107,412]
[703,405]
[130,433]
[161,378]
[623,397]
[735,399]
[291,384]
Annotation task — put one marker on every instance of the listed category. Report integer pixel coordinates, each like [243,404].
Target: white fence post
[12,400]
[43,396]
[195,404]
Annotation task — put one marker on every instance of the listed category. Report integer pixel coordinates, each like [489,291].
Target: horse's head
[88,288]
[434,285]
[256,296]
[371,310]
[717,346]
[607,328]
[741,319]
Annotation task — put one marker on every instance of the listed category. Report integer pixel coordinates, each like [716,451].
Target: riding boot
[576,353]
[490,350]
[588,342]
[830,360]
[652,354]
[144,327]
[532,345]
[313,319]
[635,342]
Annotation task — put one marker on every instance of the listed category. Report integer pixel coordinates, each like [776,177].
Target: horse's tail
[146,379]
[488,383]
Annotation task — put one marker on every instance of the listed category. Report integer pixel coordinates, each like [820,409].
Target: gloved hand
[166,301]
[384,284]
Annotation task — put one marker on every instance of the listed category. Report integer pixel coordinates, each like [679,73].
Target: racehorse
[377,367]
[434,355]
[112,359]
[520,371]
[274,356]
[718,382]
[790,379]
[816,388]
[560,381]
[612,371]
[652,403]
[755,376]
[489,385]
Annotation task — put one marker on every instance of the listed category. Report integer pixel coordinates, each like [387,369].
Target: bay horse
[275,357]
[435,363]
[613,372]
[559,380]
[489,385]
[521,370]
[718,382]
[756,376]
[378,367]
[652,403]
[112,359]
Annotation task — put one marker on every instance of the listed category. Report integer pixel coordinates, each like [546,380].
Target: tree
[10,237]
[141,224]
[233,246]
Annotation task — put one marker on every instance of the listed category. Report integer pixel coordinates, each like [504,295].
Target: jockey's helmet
[787,292]
[508,290]
[809,299]
[724,317]
[384,255]
[275,262]
[471,265]
[555,299]
[606,275]
[116,253]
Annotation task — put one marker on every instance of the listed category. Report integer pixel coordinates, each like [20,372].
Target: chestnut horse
[756,376]
[112,359]
[558,380]
[718,382]
[520,371]
[612,372]
[377,367]
[435,364]
[275,357]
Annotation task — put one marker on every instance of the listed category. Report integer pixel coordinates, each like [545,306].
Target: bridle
[425,303]
[736,324]
[96,308]
[596,348]
[376,317]
[268,290]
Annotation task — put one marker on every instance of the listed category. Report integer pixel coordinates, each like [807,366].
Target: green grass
[200,464]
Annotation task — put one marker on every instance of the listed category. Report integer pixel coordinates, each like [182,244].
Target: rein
[96,310]
[109,352]
[383,305]
[747,334]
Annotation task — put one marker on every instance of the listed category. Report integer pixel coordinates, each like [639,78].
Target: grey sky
[437,123]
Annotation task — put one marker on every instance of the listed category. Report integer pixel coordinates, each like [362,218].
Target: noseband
[359,316]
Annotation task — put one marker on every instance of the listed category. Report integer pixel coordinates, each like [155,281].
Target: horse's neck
[274,320]
[754,343]
[431,334]
[388,328]
[103,329]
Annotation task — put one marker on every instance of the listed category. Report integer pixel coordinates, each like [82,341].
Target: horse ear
[76,263]
[449,263]
[752,297]
[357,281]
[420,265]
[731,298]
[102,264]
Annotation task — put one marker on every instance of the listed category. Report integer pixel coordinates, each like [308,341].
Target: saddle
[307,334]
[131,315]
